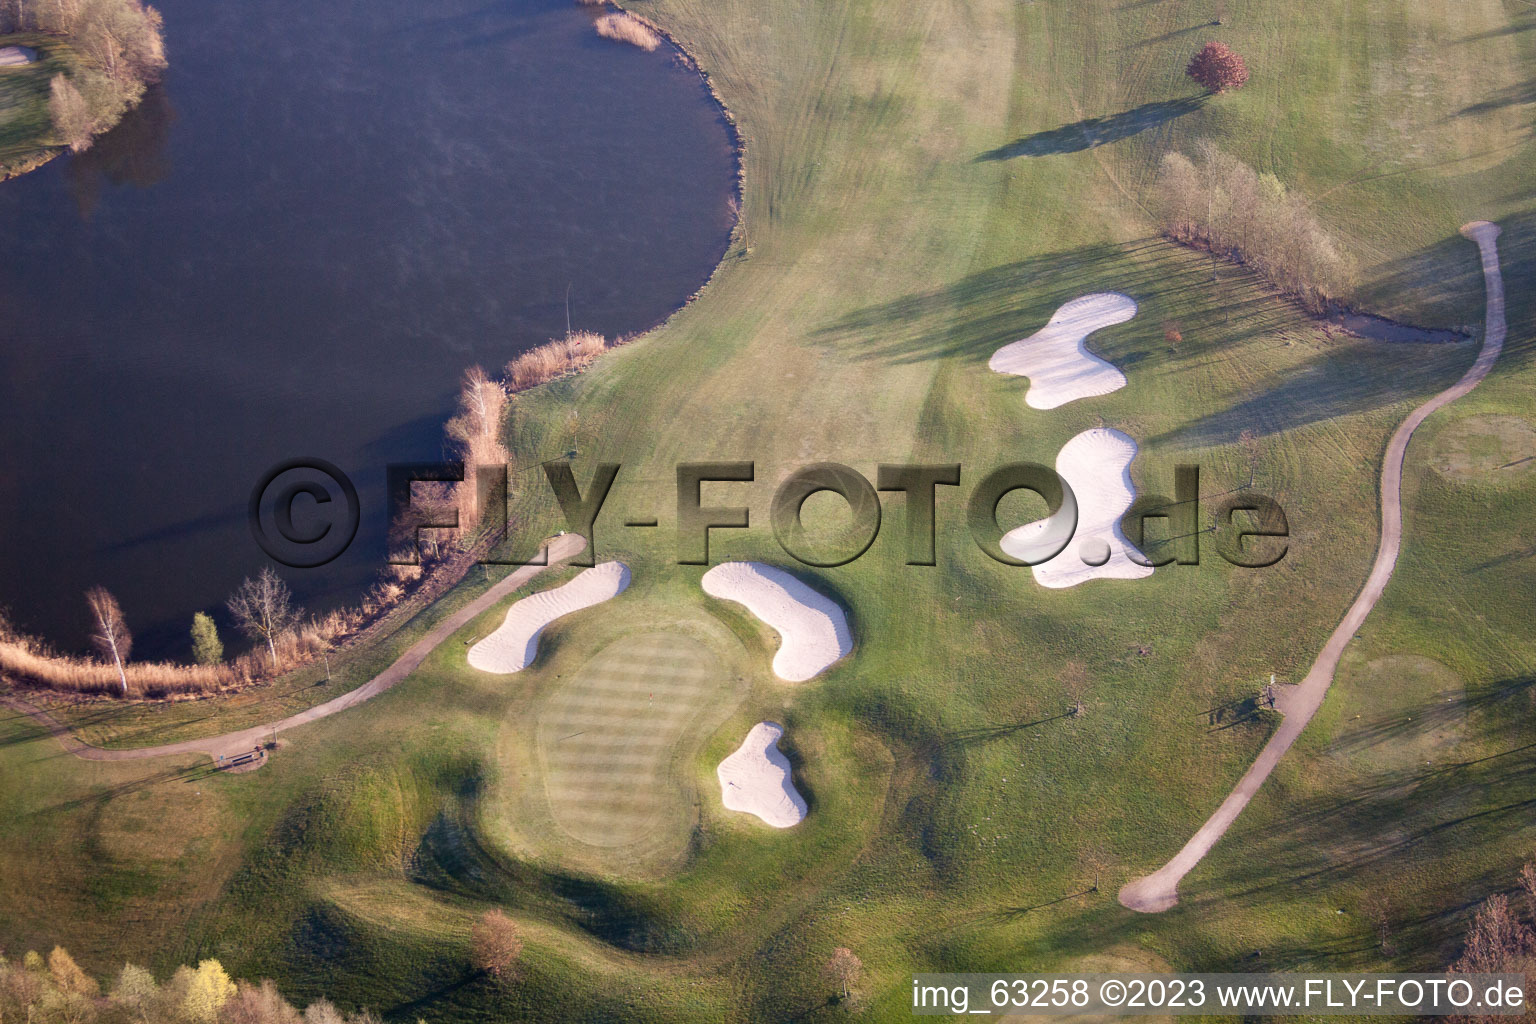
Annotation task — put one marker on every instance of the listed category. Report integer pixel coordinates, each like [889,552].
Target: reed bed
[30,662]
[627,28]
[555,359]
[25,659]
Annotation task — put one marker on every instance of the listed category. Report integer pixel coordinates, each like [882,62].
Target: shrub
[495,944]
[207,648]
[1217,68]
[1219,203]
[627,28]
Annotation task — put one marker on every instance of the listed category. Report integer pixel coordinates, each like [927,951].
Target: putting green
[1486,450]
[609,738]
[1399,711]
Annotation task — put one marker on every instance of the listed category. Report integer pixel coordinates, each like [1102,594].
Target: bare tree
[263,609]
[844,969]
[259,1004]
[111,637]
[495,944]
[72,120]
[1500,941]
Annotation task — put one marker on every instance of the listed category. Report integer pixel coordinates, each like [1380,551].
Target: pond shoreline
[445,575]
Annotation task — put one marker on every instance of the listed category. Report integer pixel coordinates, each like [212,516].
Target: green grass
[26,130]
[957,815]
[607,739]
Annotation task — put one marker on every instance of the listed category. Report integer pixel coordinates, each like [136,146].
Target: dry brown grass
[475,435]
[627,28]
[25,659]
[555,359]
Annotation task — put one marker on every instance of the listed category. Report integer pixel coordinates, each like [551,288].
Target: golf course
[949,252]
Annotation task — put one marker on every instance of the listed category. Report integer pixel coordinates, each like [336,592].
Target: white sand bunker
[515,643]
[1096,464]
[813,628]
[15,56]
[756,779]
[1056,359]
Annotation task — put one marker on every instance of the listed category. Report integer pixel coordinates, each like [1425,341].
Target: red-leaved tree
[1217,68]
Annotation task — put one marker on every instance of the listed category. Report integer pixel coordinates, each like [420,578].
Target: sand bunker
[756,779]
[1056,359]
[813,628]
[15,56]
[1096,465]
[515,643]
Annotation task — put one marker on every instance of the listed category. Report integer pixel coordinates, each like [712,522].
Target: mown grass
[906,219]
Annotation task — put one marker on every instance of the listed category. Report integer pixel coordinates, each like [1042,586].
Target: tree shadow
[1175,34]
[1406,722]
[1510,96]
[1507,557]
[1092,132]
[1446,276]
[1513,28]
[1339,382]
[959,739]
[1383,821]
[975,315]
[1014,913]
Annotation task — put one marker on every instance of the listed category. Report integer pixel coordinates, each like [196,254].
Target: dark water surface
[295,247]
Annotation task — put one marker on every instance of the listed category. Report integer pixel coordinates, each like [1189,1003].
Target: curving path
[1160,890]
[233,744]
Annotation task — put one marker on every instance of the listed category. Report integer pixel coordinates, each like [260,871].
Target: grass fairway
[925,183]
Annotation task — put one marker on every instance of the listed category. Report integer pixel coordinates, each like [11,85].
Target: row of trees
[1216,201]
[122,50]
[124,38]
[262,608]
[55,990]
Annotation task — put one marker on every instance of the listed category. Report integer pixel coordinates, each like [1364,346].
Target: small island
[69,72]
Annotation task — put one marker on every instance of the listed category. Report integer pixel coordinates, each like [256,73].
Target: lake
[295,247]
